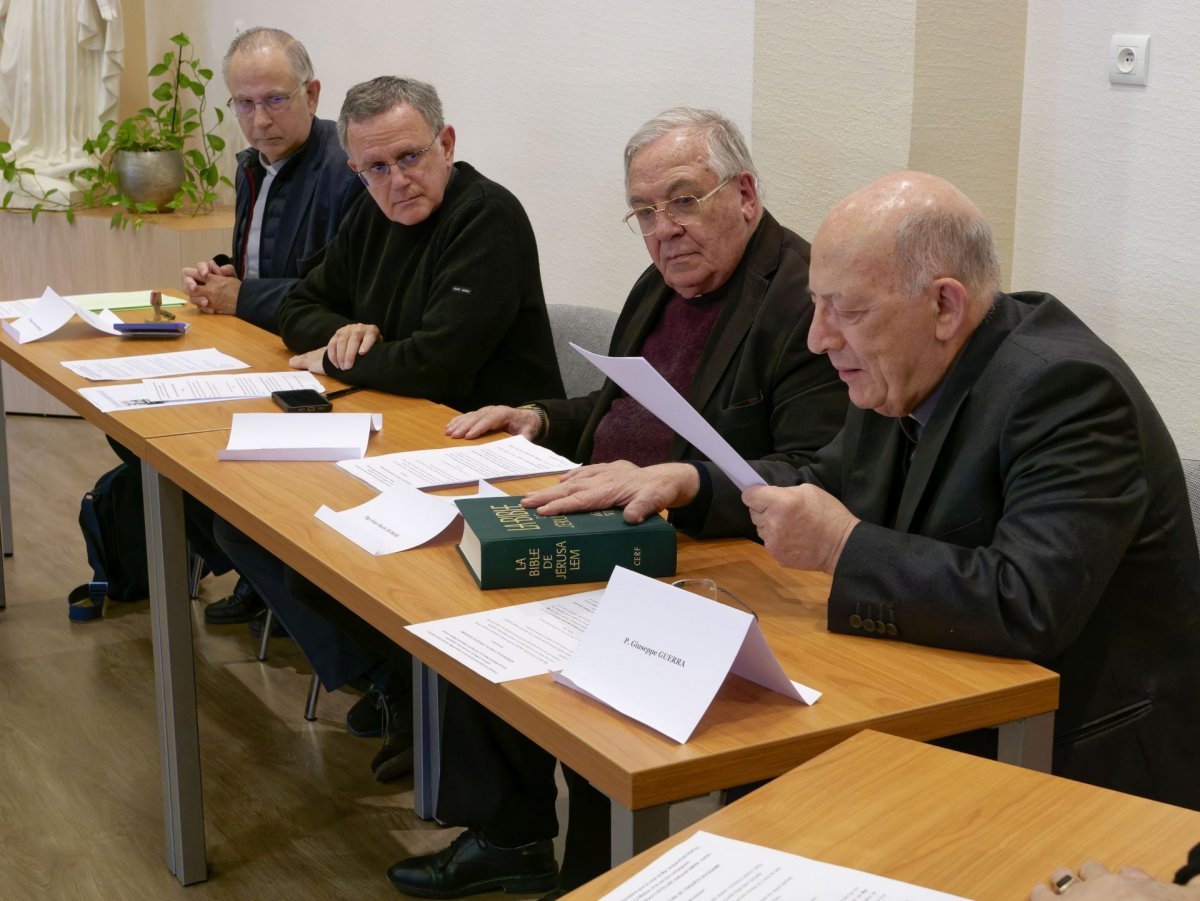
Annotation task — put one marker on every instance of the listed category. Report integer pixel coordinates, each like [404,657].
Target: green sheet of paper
[121,300]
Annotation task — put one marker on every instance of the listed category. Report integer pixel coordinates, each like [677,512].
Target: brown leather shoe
[472,865]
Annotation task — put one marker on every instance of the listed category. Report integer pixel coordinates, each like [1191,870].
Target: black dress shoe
[395,758]
[472,865]
[278,630]
[240,607]
[365,718]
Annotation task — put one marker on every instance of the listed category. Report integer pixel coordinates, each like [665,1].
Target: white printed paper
[710,867]
[196,389]
[510,458]
[659,654]
[399,519]
[300,436]
[642,382]
[514,642]
[148,366]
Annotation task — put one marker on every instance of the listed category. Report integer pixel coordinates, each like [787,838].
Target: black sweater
[457,298]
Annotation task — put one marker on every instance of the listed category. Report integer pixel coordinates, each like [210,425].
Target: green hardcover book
[507,546]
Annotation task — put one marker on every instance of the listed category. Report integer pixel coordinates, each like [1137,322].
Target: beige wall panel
[968,77]
[833,95]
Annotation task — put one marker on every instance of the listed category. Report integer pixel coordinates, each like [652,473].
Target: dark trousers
[500,783]
[338,643]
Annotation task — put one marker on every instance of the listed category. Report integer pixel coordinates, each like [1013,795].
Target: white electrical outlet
[1128,58]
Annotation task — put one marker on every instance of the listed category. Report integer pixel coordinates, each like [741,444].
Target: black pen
[334,395]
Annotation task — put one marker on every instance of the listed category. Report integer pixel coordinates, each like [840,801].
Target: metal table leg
[427,740]
[174,677]
[6,536]
[633,831]
[1028,742]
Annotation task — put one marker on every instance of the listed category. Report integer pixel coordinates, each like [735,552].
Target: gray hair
[936,244]
[375,97]
[260,38]
[727,152]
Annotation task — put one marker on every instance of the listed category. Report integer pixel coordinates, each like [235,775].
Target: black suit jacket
[321,191]
[1044,516]
[756,382]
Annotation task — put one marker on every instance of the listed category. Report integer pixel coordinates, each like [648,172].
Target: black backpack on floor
[114,531]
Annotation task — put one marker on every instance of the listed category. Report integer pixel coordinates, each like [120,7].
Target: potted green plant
[161,158]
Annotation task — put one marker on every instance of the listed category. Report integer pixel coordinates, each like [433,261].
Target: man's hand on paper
[212,287]
[642,491]
[351,341]
[313,361]
[479,422]
[802,527]
[1096,883]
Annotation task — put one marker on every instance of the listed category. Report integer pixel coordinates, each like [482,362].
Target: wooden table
[943,820]
[749,733]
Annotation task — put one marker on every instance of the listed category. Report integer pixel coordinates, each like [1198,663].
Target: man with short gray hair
[430,289]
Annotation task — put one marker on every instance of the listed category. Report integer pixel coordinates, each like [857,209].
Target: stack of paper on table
[197,389]
[300,436]
[510,458]
[51,312]
[710,867]
[158,365]
[398,519]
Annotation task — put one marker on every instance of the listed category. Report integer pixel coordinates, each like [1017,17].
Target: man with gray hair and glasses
[293,188]
[722,313]
[431,288]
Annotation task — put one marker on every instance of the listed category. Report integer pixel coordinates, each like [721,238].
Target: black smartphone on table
[302,400]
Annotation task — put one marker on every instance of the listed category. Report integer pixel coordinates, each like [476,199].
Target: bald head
[902,273]
[923,226]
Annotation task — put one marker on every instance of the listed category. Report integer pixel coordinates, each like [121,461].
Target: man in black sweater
[431,289]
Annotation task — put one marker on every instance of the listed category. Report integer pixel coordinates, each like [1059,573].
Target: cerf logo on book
[459,289]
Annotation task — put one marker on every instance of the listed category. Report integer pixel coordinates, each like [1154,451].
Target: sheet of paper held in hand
[195,389]
[643,383]
[710,867]
[659,654]
[398,519]
[510,458]
[149,366]
[300,436]
[514,642]
[50,313]
[113,300]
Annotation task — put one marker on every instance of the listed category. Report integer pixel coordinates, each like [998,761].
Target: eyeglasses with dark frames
[243,107]
[378,173]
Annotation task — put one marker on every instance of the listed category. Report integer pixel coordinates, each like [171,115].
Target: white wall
[543,94]
[833,100]
[1108,200]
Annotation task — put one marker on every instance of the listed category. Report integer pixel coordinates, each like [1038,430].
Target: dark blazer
[1044,516]
[756,382]
[320,190]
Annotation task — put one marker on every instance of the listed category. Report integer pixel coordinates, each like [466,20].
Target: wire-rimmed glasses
[379,173]
[683,210]
[243,107]
[711,590]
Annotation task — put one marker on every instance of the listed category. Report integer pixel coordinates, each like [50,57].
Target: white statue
[60,72]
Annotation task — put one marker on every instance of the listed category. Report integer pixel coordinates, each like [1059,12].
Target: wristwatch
[543,419]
